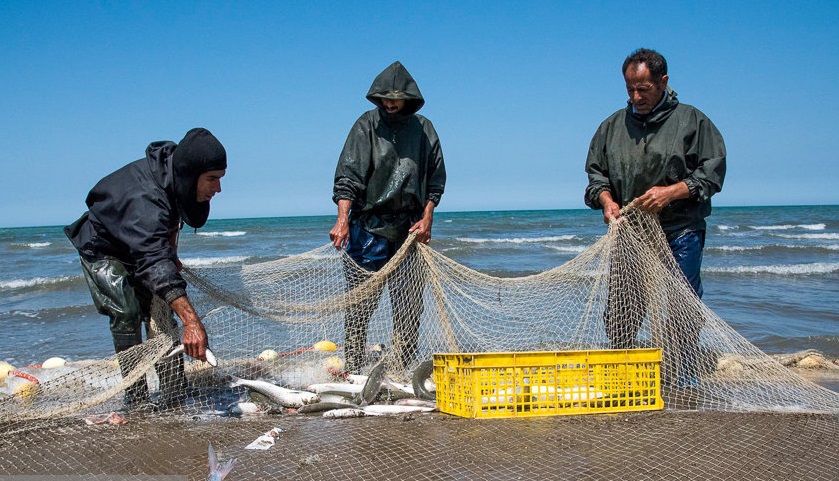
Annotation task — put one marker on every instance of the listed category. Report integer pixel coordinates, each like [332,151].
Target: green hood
[396,83]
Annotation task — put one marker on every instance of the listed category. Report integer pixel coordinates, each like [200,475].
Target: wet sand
[667,444]
[678,443]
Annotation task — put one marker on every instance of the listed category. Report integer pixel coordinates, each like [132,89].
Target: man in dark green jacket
[389,179]
[666,156]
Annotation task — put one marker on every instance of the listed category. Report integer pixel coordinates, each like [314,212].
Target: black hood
[198,152]
[396,83]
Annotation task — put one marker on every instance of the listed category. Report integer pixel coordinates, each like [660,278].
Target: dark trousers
[127,304]
[625,306]
[371,252]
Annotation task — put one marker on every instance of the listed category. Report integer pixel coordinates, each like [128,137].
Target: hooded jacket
[391,165]
[135,213]
[676,142]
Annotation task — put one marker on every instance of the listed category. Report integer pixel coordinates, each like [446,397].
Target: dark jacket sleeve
[151,245]
[597,168]
[436,174]
[352,172]
[136,224]
[708,149]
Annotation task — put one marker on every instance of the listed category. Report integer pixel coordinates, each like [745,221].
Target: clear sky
[514,89]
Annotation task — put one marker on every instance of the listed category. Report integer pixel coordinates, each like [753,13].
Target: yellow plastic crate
[520,384]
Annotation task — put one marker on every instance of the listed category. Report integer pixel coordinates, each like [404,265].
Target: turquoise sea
[770,272]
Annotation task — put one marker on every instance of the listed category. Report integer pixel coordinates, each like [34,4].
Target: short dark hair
[653,60]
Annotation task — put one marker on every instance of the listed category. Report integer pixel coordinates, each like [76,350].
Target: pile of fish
[357,396]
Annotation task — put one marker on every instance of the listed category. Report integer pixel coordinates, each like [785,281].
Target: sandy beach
[677,444]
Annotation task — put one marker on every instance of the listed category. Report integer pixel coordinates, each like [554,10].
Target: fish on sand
[289,398]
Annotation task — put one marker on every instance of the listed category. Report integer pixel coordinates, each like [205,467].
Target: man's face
[393,106]
[644,92]
[209,184]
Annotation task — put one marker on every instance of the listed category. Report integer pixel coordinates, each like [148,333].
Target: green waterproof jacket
[391,165]
[629,154]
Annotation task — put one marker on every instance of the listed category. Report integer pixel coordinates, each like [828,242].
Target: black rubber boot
[173,384]
[137,394]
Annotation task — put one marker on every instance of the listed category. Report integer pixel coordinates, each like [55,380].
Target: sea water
[772,273]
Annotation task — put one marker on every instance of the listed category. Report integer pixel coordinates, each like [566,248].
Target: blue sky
[515,90]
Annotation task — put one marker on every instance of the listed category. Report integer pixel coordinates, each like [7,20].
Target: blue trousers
[687,250]
[371,252]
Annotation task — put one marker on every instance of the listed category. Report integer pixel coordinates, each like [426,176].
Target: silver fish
[344,388]
[324,406]
[346,413]
[211,358]
[381,409]
[416,402]
[218,473]
[289,398]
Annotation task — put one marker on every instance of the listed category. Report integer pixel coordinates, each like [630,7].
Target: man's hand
[195,336]
[611,209]
[422,227]
[340,233]
[659,197]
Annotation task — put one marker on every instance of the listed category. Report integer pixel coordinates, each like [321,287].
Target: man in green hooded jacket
[668,158]
[390,177]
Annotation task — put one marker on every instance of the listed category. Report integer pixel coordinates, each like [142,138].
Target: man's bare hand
[659,197]
[423,230]
[340,233]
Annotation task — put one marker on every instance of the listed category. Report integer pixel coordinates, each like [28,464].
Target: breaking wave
[784,269]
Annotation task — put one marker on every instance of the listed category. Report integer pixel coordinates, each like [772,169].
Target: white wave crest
[825,236]
[790,226]
[571,249]
[232,233]
[830,247]
[35,281]
[517,240]
[789,269]
[209,261]
[32,245]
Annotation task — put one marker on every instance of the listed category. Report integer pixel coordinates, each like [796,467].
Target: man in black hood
[127,243]
[389,179]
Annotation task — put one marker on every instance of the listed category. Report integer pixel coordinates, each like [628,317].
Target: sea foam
[209,261]
[782,269]
[517,240]
[233,233]
[35,281]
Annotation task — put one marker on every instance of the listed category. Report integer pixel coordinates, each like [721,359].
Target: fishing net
[730,410]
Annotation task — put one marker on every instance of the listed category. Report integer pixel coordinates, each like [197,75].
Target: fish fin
[212,461]
[225,469]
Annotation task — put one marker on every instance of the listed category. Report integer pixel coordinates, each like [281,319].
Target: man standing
[666,156]
[389,179]
[127,243]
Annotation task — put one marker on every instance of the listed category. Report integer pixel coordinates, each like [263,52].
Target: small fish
[324,406]
[218,473]
[382,409]
[344,388]
[373,385]
[244,408]
[347,413]
[416,402]
[211,358]
[289,398]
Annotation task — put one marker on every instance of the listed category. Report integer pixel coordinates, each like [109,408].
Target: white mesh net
[283,323]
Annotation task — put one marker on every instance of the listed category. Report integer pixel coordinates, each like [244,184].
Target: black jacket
[133,217]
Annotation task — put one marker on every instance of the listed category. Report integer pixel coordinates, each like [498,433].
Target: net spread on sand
[623,292]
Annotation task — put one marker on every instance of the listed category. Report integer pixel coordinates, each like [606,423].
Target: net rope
[625,291]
